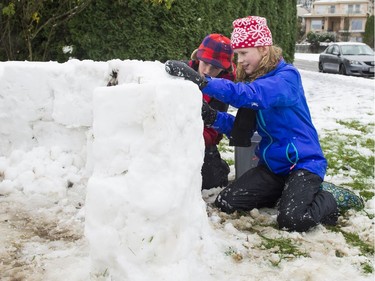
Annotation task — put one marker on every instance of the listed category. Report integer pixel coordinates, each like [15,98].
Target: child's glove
[208,114]
[181,69]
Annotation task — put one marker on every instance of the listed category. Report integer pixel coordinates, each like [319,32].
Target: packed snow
[103,183]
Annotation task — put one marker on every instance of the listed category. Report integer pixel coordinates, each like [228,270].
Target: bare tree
[305,4]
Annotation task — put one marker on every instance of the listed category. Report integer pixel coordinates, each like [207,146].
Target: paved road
[306,65]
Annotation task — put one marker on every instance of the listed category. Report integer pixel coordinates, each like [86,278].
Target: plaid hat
[249,32]
[216,50]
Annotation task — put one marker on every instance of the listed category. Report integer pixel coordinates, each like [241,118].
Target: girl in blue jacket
[271,100]
[291,165]
[291,162]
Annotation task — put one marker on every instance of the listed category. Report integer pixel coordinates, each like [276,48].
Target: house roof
[301,11]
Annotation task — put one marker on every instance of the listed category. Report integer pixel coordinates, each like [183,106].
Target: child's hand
[208,114]
[180,69]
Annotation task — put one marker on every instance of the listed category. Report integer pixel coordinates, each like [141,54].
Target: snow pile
[143,202]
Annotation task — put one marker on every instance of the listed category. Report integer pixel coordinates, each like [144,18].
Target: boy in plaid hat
[214,57]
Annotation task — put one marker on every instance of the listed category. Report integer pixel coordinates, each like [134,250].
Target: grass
[354,240]
[352,154]
[283,246]
[224,145]
[224,148]
[345,155]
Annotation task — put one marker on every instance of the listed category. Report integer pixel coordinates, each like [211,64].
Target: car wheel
[321,67]
[342,69]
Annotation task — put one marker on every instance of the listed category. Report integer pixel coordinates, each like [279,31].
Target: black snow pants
[214,170]
[301,202]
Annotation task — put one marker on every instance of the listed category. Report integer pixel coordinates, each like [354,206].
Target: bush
[315,38]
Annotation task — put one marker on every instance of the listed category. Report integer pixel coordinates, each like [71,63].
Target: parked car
[348,58]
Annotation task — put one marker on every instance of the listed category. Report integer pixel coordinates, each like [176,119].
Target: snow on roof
[348,43]
[338,1]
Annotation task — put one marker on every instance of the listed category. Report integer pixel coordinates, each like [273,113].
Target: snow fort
[145,217]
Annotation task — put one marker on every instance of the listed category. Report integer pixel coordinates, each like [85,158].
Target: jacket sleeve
[211,136]
[223,123]
[280,89]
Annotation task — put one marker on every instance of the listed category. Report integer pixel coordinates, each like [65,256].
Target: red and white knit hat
[251,31]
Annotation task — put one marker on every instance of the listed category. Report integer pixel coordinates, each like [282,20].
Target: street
[306,65]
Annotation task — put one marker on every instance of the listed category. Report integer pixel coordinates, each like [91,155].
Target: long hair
[267,64]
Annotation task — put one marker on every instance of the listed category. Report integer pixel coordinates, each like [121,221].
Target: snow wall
[142,148]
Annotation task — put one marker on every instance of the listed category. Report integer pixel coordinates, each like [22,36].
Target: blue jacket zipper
[287,156]
[262,125]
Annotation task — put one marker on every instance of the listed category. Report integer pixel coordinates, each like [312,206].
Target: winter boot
[345,198]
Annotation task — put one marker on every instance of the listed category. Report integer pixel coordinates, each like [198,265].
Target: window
[356,25]
[334,49]
[316,25]
[357,9]
[332,9]
[354,9]
[348,50]
[356,50]
[329,50]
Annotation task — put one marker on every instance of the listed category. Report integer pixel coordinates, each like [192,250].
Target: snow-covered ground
[308,57]
[103,183]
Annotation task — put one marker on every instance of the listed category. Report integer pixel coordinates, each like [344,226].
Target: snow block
[145,217]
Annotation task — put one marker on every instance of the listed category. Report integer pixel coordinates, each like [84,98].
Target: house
[346,19]
[301,11]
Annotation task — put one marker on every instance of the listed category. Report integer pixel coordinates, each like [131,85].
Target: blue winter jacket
[289,140]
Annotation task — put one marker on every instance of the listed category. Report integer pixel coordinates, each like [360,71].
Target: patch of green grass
[370,216]
[353,239]
[356,125]
[283,246]
[367,268]
[223,146]
[343,156]
[368,143]
[229,161]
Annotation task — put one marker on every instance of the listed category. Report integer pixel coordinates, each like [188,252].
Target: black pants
[302,203]
[214,170]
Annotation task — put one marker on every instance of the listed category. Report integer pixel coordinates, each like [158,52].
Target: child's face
[249,58]
[208,69]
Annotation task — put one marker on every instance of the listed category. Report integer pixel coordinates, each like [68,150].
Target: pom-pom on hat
[250,32]
[216,49]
